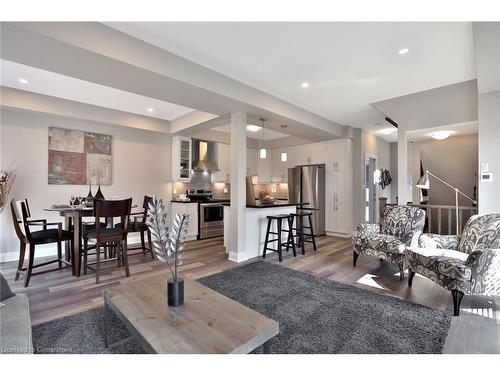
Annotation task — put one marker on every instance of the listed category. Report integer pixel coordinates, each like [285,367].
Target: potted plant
[168,246]
[6,181]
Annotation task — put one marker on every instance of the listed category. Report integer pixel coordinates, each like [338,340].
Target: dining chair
[108,236]
[21,217]
[139,225]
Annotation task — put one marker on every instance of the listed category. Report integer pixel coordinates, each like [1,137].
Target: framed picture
[79,158]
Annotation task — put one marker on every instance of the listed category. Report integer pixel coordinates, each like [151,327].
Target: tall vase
[89,195]
[99,194]
[175,292]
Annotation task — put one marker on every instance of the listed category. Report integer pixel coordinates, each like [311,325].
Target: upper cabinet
[252,162]
[339,153]
[264,168]
[181,158]
[280,164]
[223,163]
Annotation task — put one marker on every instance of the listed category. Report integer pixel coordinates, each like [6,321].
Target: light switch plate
[486,177]
[485,167]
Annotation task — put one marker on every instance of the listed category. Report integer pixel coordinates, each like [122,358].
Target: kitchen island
[256,225]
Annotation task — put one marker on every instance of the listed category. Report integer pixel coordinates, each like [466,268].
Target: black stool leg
[280,250]
[267,237]
[312,233]
[290,236]
[301,235]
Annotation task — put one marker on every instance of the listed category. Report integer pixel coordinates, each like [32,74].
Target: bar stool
[279,225]
[299,229]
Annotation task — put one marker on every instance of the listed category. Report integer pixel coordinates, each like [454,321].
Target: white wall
[368,144]
[141,165]
[489,150]
[454,160]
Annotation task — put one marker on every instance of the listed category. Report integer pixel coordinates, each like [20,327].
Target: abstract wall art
[79,158]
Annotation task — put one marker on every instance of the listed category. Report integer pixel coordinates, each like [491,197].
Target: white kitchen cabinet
[181,158]
[264,168]
[338,202]
[223,163]
[192,210]
[252,162]
[338,155]
[300,155]
[279,167]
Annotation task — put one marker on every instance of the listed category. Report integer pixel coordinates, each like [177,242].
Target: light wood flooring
[476,330]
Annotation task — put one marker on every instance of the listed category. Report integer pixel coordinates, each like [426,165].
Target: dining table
[73,221]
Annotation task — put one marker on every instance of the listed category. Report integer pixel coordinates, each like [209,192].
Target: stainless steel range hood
[204,156]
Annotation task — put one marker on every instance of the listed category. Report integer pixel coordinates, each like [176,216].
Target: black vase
[99,194]
[89,195]
[175,292]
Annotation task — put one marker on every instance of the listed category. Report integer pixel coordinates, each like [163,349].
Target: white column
[237,240]
[402,167]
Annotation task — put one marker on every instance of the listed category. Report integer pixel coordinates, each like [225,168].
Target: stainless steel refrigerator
[306,184]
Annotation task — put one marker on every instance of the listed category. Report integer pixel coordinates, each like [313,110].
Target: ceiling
[61,86]
[466,128]
[347,65]
[267,136]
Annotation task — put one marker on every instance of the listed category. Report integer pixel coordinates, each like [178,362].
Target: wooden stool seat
[279,225]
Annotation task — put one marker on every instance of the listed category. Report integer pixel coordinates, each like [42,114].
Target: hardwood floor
[476,330]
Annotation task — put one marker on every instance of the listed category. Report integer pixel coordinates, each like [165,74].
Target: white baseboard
[335,234]
[51,250]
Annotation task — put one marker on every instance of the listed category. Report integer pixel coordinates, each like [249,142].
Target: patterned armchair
[466,264]
[400,226]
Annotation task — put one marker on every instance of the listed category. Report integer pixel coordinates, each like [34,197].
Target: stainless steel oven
[211,220]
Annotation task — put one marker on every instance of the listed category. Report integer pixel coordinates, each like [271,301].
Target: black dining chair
[138,225]
[23,224]
[106,237]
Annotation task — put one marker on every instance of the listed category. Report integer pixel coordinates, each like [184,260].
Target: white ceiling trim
[61,86]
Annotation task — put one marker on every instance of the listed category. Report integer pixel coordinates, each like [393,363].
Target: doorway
[370,191]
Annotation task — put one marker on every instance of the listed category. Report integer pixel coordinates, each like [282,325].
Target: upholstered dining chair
[466,264]
[105,237]
[138,224]
[23,224]
[399,227]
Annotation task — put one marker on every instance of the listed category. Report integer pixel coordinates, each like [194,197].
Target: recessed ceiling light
[442,134]
[388,131]
[403,51]
[24,81]
[253,128]
[150,109]
[305,85]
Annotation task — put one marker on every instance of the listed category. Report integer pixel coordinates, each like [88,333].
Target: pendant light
[263,151]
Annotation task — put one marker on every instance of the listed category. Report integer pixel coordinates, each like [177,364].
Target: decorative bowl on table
[268,200]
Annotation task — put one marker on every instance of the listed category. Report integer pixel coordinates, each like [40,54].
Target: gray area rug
[83,333]
[315,316]
[321,316]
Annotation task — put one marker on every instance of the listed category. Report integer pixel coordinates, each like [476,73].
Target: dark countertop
[214,200]
[276,204]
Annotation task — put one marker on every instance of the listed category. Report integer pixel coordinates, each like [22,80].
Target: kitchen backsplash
[277,190]
[201,181]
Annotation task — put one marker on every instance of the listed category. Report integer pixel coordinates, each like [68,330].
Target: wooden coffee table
[208,322]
